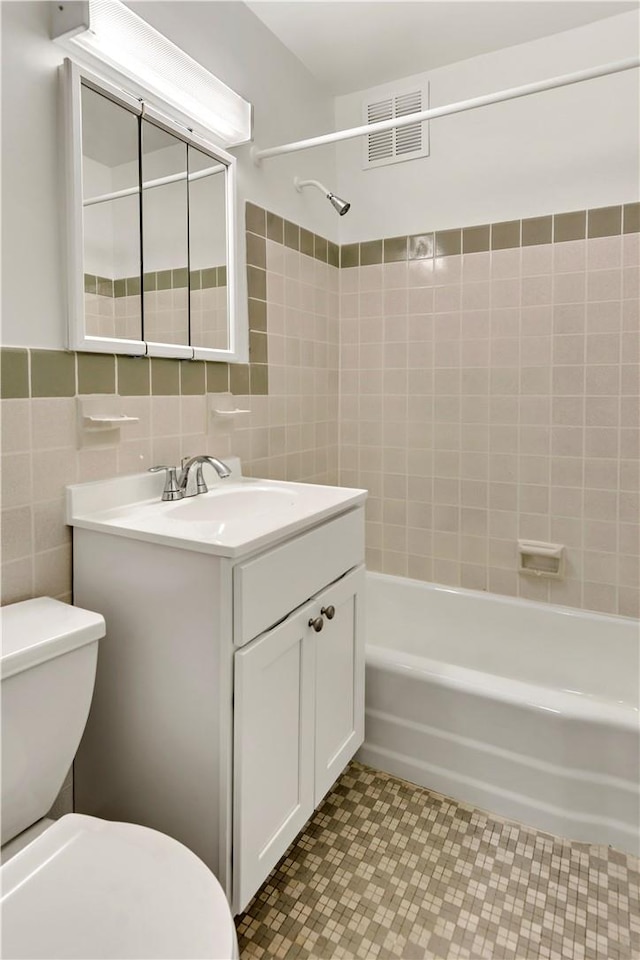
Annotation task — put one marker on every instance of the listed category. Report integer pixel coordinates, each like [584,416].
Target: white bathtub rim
[495,801]
[511,795]
[570,704]
[534,763]
[487,596]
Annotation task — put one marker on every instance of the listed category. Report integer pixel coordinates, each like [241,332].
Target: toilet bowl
[81,886]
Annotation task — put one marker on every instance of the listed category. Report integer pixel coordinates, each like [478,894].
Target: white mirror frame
[238,351]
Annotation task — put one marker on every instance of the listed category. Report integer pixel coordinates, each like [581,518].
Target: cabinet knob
[329,612]
[317,624]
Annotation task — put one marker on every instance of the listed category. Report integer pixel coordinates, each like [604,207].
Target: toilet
[81,886]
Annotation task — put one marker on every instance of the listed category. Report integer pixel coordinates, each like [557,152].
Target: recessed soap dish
[99,417]
[538,559]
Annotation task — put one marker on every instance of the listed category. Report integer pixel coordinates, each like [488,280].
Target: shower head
[341,206]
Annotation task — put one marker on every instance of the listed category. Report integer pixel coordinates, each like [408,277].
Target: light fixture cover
[108,33]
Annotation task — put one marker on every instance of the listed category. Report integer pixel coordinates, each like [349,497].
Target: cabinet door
[273,749]
[339,679]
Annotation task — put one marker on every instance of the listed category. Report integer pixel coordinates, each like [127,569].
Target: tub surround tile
[350,255]
[569,226]
[292,235]
[476,239]
[397,359]
[604,222]
[371,252]
[542,326]
[306,242]
[448,243]
[631,218]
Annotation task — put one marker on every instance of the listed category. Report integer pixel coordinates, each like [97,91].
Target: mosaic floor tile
[386,869]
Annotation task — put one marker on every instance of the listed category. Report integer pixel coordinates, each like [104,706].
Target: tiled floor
[387,869]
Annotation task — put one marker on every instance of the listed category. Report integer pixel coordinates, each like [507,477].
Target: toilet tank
[48,664]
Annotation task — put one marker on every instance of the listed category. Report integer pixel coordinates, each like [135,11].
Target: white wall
[229,40]
[562,150]
[288,103]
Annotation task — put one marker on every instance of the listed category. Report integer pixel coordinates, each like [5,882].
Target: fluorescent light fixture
[108,37]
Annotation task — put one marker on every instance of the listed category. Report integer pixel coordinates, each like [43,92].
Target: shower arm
[513,93]
[299,184]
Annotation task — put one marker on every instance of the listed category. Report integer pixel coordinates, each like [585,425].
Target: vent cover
[399,143]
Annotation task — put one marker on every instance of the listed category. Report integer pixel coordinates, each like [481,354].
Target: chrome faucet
[191,480]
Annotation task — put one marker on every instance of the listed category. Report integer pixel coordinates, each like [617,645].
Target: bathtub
[523,709]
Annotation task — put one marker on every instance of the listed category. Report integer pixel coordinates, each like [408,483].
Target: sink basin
[238,515]
[222,506]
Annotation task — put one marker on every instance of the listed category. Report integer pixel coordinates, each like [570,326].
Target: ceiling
[351,46]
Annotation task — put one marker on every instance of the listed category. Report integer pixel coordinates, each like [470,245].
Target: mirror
[165,243]
[207,246]
[110,222]
[152,245]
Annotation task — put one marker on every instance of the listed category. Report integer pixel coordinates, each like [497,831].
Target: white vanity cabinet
[220,715]
[298,720]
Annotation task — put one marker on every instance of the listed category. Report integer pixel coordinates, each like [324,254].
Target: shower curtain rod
[513,93]
[150,184]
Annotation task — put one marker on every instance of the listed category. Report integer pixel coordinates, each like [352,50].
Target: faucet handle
[171,489]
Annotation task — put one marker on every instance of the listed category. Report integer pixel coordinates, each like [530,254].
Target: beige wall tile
[16,533]
[17,489]
[52,471]
[53,423]
[52,572]
[50,529]
[15,425]
[17,580]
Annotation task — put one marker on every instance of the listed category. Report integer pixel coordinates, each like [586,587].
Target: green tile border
[476,239]
[96,373]
[537,230]
[134,378]
[53,373]
[631,218]
[165,377]
[503,235]
[14,373]
[64,373]
[506,235]
[30,372]
[157,280]
[193,378]
[217,377]
[570,226]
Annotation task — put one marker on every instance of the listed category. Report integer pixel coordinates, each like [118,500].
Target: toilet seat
[90,888]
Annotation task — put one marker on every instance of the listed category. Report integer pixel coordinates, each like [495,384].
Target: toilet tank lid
[34,631]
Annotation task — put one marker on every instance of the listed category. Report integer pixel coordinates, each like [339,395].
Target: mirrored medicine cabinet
[152,242]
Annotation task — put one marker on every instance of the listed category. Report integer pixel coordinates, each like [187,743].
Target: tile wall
[482,383]
[490,391]
[291,429]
